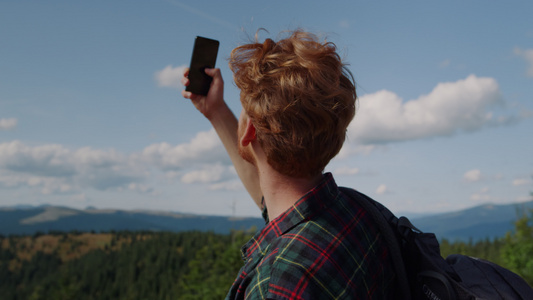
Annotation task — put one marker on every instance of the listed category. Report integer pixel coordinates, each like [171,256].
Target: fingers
[217,77]
[213,72]
[186,94]
[185,79]
[217,84]
[190,96]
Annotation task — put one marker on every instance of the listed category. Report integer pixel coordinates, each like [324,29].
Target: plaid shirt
[323,247]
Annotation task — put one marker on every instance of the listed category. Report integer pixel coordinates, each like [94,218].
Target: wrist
[220,114]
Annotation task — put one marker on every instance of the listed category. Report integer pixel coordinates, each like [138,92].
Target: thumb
[213,72]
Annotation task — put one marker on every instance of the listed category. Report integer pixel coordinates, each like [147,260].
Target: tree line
[165,265]
[121,265]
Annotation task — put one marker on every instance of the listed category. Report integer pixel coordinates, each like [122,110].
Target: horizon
[410,215]
[91,112]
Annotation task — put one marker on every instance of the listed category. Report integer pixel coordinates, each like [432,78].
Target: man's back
[324,247]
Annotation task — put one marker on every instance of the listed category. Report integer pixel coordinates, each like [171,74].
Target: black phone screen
[204,55]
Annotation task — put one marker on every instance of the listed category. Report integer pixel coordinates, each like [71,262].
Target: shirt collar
[311,204]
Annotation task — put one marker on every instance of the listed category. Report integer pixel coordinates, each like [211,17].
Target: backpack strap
[382,217]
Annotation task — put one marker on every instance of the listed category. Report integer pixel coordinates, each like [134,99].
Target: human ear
[248,135]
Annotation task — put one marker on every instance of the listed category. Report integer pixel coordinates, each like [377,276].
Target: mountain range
[480,222]
[29,220]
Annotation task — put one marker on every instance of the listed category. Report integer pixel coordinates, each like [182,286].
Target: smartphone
[204,55]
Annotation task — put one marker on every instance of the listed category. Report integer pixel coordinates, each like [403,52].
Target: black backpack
[422,272]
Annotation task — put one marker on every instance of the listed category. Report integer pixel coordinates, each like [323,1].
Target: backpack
[421,271]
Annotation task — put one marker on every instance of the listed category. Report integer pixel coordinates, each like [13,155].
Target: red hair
[299,96]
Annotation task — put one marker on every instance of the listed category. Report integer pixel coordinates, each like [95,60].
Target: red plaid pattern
[323,247]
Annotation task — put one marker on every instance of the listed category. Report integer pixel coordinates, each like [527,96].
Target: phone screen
[204,55]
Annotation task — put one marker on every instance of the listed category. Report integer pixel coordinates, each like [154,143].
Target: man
[298,99]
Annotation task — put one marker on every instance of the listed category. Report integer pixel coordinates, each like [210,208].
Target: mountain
[53,218]
[480,222]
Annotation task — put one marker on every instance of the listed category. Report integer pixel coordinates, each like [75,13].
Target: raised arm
[215,109]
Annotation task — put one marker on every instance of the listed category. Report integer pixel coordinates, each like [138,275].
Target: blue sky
[91,112]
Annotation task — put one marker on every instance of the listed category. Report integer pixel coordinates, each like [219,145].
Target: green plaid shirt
[323,247]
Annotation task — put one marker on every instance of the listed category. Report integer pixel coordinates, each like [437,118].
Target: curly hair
[299,96]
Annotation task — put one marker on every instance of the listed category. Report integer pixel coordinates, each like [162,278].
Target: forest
[163,265]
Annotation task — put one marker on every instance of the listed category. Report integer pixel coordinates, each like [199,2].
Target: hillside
[480,222]
[23,221]
[121,265]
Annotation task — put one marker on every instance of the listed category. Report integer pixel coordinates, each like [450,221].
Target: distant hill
[480,222]
[52,218]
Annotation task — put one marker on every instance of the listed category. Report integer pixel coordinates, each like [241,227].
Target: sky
[91,112]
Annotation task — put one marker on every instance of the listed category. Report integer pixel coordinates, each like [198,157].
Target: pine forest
[163,265]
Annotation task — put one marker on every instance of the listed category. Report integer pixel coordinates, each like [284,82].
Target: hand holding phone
[204,56]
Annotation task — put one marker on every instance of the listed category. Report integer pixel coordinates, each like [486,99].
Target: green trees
[514,251]
[213,269]
[517,252]
[486,249]
[140,265]
[184,266]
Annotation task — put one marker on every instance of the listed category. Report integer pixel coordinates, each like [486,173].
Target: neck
[280,192]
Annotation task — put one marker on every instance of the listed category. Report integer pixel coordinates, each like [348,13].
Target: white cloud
[382,189]
[484,195]
[472,175]
[219,175]
[78,198]
[8,124]
[231,185]
[48,160]
[170,76]
[206,175]
[55,169]
[521,181]
[346,171]
[524,198]
[44,185]
[60,188]
[481,197]
[349,149]
[205,147]
[527,55]
[449,108]
[140,188]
